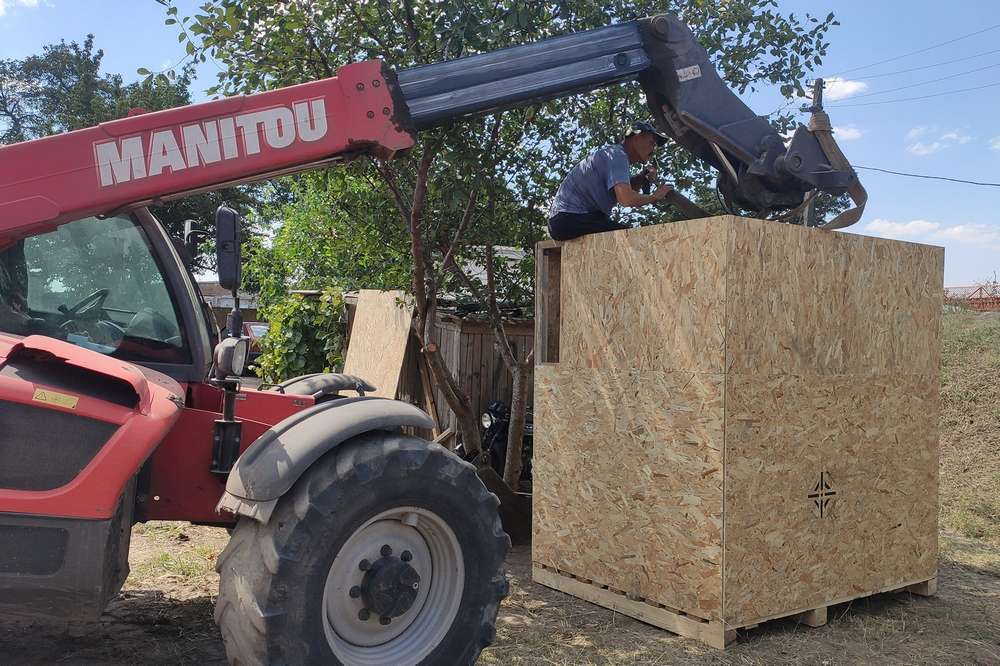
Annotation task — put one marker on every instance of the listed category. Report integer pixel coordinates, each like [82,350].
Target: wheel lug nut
[384,620]
[364,565]
[364,614]
[406,556]
[386,551]
[355,592]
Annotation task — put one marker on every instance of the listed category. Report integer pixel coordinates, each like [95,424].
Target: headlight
[487,420]
[230,357]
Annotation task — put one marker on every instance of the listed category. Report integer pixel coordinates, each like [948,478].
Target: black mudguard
[275,461]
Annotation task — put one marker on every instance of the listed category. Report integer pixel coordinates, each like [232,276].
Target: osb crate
[735,420]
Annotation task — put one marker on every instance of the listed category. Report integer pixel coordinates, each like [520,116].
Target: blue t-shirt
[589,186]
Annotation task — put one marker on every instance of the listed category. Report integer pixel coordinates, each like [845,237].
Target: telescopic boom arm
[370,109]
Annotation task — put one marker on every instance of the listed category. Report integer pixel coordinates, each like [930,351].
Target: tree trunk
[468,424]
[515,431]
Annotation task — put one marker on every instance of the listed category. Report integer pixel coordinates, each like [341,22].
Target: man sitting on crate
[585,198]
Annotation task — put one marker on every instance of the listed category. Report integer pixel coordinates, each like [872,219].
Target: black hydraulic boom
[686,96]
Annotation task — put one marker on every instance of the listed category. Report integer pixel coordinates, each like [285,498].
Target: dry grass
[970,425]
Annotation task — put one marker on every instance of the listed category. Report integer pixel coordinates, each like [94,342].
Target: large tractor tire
[388,550]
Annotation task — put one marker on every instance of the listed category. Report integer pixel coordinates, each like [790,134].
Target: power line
[919,175]
[923,50]
[929,81]
[911,99]
[932,65]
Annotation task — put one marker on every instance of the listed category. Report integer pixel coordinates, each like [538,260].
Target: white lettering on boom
[208,142]
[120,167]
[201,143]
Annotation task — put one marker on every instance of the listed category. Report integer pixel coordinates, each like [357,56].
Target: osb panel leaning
[378,340]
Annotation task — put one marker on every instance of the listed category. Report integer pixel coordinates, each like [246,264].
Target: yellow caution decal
[55,398]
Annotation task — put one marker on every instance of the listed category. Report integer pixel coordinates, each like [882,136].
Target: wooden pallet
[711,632]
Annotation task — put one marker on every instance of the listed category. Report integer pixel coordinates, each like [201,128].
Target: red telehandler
[352,542]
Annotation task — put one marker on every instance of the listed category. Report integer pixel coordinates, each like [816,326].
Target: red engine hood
[138,377]
[94,492]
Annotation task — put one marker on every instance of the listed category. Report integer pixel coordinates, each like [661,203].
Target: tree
[63,89]
[483,181]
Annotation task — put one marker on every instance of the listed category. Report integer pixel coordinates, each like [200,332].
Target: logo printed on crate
[197,145]
[823,495]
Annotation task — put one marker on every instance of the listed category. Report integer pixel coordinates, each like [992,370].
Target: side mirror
[227,247]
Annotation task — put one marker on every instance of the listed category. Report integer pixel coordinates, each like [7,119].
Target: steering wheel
[86,305]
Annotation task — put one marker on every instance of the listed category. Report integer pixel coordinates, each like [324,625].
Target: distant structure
[221,302]
[983,297]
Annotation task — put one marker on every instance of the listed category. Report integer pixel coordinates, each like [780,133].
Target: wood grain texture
[875,443]
[807,300]
[648,299]
[379,334]
[711,373]
[711,633]
[628,481]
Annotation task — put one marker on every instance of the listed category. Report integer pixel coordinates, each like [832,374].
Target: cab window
[95,283]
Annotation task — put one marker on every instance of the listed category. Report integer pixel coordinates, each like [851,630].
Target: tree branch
[410,24]
[405,209]
[416,229]
[371,34]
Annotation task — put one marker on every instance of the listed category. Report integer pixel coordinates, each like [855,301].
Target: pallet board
[743,420]
[711,632]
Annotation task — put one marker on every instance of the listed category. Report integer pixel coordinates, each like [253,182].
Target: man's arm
[629,198]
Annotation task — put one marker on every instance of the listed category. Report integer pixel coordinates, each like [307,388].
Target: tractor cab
[112,285]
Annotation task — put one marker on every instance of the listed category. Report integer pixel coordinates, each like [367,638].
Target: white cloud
[890,229]
[956,136]
[931,145]
[7,4]
[838,88]
[974,234]
[995,143]
[847,133]
[925,231]
[920,149]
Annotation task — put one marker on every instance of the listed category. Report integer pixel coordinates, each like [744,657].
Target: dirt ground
[164,613]
[164,616]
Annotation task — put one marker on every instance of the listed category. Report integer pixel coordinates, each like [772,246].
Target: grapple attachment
[757,172]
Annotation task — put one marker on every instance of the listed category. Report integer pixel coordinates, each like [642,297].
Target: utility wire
[910,99]
[917,69]
[929,81]
[919,175]
[912,53]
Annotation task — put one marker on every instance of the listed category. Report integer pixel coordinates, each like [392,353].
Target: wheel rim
[417,582]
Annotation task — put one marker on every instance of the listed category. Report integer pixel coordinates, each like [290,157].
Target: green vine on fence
[306,335]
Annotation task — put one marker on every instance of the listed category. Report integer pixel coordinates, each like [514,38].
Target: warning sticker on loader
[55,398]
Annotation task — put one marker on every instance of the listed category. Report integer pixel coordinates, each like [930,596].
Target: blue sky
[955,135]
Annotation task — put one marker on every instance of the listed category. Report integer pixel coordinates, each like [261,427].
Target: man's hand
[662,191]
